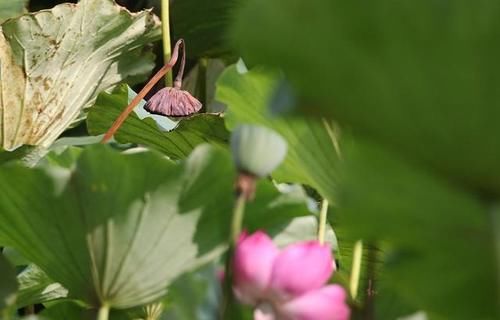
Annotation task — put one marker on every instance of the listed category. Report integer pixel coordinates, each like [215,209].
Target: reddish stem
[245,185]
[121,118]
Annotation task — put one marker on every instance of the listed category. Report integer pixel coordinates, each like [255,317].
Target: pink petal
[252,266]
[327,303]
[300,268]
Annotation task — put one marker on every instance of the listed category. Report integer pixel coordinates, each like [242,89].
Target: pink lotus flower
[287,284]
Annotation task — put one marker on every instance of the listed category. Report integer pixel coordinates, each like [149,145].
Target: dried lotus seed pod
[173,102]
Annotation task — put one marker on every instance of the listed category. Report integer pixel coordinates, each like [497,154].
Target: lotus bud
[257,151]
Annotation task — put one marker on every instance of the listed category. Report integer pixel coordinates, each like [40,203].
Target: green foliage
[11,8]
[422,226]
[389,109]
[311,143]
[419,76]
[211,18]
[67,310]
[177,143]
[124,225]
[8,283]
[199,289]
[14,257]
[441,245]
[118,226]
[414,82]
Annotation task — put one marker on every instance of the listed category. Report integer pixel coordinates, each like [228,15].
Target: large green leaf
[123,227]
[11,8]
[420,76]
[437,239]
[311,143]
[177,143]
[55,62]
[8,283]
[203,24]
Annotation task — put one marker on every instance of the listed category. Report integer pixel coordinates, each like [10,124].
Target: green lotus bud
[257,150]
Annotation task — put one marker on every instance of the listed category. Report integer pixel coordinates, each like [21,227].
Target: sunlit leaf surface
[36,287]
[55,62]
[117,223]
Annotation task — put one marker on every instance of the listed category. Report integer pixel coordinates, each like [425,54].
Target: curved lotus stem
[173,60]
[178,78]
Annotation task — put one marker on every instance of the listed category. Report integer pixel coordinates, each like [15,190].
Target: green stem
[371,289]
[356,268]
[238,214]
[103,312]
[322,221]
[165,27]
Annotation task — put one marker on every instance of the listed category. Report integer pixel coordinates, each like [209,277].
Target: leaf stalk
[103,313]
[165,28]
[322,221]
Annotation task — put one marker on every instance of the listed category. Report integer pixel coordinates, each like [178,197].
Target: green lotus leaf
[421,77]
[55,62]
[114,229]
